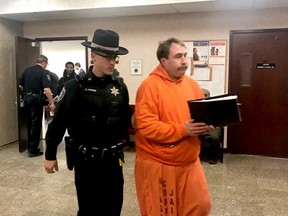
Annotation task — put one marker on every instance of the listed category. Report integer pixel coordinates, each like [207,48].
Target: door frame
[23,44]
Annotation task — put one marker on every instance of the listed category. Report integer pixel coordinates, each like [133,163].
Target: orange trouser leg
[164,190]
[193,191]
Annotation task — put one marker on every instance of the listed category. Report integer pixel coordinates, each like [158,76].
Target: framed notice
[202,74]
[136,67]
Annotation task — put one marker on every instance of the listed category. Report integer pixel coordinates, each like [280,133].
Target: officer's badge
[114,91]
[62,94]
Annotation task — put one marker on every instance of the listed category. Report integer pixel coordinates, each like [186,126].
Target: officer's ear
[92,55]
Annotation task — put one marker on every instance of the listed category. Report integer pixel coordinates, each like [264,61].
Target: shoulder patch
[62,94]
[48,77]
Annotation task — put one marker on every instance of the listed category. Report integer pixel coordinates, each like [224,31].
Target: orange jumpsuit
[168,173]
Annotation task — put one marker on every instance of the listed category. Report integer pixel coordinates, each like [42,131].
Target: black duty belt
[31,94]
[95,150]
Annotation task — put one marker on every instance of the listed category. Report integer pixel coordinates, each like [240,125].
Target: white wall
[141,34]
[60,52]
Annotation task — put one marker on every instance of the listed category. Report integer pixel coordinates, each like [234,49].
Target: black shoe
[35,154]
[213,161]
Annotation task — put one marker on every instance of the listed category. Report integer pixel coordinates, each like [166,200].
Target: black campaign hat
[106,41]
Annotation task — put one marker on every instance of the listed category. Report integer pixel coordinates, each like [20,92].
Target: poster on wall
[217,53]
[200,69]
[200,51]
[208,64]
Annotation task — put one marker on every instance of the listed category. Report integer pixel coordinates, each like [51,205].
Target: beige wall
[8,90]
[139,34]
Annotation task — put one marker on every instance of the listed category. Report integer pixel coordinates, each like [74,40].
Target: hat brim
[121,51]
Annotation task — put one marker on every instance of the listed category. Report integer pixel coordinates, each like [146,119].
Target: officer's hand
[50,166]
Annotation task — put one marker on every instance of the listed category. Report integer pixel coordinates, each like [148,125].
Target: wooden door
[258,74]
[27,52]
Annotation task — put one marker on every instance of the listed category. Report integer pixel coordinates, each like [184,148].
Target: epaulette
[80,80]
[123,87]
[119,80]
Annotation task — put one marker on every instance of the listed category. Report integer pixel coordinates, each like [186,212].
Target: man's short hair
[69,63]
[164,47]
[205,92]
[41,59]
[77,64]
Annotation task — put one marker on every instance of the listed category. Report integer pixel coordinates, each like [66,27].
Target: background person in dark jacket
[53,82]
[54,88]
[79,70]
[68,74]
[213,138]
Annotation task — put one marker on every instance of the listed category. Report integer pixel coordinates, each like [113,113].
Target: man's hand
[49,95]
[50,166]
[52,106]
[133,122]
[197,128]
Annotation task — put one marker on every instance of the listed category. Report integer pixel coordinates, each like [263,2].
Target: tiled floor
[242,185]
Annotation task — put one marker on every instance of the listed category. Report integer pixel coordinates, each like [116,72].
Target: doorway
[258,74]
[27,51]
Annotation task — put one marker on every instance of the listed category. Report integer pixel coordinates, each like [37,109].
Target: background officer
[35,82]
[213,138]
[97,114]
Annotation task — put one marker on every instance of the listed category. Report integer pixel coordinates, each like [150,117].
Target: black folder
[221,110]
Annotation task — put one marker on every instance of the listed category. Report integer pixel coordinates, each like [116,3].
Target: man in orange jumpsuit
[169,176]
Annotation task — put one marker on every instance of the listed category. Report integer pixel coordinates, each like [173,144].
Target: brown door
[26,55]
[258,74]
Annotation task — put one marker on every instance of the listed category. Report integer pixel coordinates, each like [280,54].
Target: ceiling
[216,5]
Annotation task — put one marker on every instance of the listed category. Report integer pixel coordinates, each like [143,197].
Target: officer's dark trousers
[99,184]
[34,110]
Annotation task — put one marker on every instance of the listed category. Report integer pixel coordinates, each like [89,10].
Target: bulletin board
[208,64]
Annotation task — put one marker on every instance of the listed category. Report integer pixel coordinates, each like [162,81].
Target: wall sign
[136,67]
[265,65]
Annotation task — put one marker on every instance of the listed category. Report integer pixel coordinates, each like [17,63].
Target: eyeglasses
[109,57]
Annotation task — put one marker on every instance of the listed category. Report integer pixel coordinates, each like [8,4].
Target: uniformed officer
[35,81]
[96,113]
